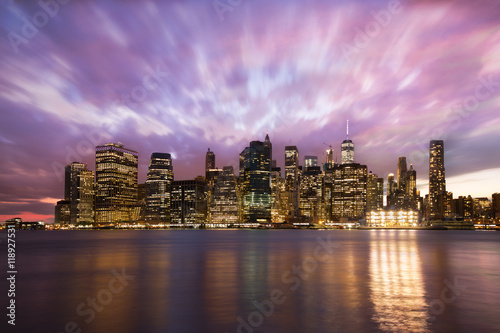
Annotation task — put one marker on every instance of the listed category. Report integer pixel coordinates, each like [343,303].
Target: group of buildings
[332,194]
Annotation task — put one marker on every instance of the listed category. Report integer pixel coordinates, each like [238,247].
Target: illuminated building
[310,161]
[62,214]
[279,207]
[463,207]
[482,207]
[437,182]
[391,190]
[224,204]
[401,174]
[495,205]
[329,159]
[374,192]
[159,188]
[311,204]
[211,171]
[292,178]
[347,149]
[255,182]
[392,218]
[79,191]
[349,191]
[188,202]
[116,178]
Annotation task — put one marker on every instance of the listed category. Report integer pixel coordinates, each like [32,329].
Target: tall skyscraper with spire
[209,162]
[437,181]
[347,149]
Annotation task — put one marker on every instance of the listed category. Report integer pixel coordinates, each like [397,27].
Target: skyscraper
[189,202]
[401,174]
[159,188]
[116,178]
[255,178]
[79,191]
[437,182]
[311,204]
[347,149]
[349,191]
[391,190]
[224,205]
[374,192]
[292,178]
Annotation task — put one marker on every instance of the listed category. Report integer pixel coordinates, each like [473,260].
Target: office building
[189,202]
[310,161]
[79,191]
[255,179]
[62,213]
[116,179]
[349,191]
[292,179]
[437,182]
[224,204]
[159,188]
[495,205]
[374,192]
[311,194]
[401,174]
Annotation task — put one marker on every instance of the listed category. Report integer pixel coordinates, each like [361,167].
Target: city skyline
[285,69]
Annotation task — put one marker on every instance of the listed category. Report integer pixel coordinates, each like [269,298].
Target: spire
[347,129]
[267,137]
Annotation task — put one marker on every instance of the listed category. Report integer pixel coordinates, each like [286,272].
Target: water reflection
[396,282]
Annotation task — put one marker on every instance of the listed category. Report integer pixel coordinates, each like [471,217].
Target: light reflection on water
[204,281]
[396,282]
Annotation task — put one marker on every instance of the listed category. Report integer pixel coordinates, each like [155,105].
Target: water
[216,281]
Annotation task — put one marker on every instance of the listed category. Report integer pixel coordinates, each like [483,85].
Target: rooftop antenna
[347,129]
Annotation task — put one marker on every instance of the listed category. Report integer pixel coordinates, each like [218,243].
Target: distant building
[255,181]
[224,205]
[310,161]
[437,181]
[189,202]
[116,178]
[159,188]
[79,191]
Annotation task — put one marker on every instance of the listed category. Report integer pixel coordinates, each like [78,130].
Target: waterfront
[216,281]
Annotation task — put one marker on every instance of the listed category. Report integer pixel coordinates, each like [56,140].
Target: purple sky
[182,76]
